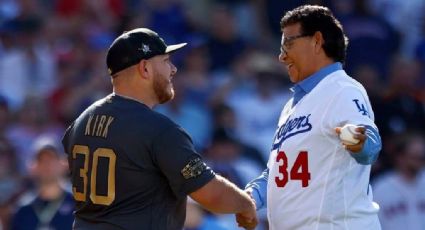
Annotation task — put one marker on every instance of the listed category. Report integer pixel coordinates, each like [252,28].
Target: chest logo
[291,128]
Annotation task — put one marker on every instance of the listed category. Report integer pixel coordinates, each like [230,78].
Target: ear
[143,68]
[318,41]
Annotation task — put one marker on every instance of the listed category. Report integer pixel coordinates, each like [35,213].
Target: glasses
[287,42]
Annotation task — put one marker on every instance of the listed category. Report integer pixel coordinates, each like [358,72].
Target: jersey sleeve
[349,106]
[258,188]
[174,154]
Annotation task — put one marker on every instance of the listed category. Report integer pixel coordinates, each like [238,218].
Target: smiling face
[163,71]
[297,52]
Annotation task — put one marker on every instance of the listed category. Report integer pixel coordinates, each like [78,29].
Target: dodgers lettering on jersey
[314,183]
[292,127]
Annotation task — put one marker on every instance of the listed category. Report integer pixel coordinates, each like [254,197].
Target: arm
[220,195]
[189,175]
[356,109]
[258,189]
[368,151]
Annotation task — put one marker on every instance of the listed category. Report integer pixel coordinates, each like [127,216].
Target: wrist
[255,195]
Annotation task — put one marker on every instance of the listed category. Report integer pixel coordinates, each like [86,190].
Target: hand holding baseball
[352,137]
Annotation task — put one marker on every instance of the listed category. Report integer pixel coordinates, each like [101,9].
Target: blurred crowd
[230,89]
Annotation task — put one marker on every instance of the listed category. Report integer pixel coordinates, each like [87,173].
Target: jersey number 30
[299,170]
[84,174]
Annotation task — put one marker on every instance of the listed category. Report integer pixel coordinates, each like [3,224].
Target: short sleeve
[349,106]
[174,154]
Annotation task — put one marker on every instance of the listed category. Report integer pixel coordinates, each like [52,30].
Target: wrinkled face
[295,52]
[164,71]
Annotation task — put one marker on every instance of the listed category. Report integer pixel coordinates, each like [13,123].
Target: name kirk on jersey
[292,127]
[98,125]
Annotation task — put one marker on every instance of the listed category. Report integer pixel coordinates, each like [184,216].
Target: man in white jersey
[400,193]
[312,180]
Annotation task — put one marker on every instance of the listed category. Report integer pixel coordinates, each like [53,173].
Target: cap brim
[173,48]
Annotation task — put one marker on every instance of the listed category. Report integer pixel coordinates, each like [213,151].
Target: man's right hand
[248,219]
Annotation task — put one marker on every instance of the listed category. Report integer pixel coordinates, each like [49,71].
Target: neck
[148,101]
[50,191]
[323,62]
[135,87]
[319,63]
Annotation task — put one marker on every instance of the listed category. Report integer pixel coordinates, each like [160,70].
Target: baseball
[347,134]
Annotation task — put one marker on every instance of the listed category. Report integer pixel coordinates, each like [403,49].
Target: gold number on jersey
[100,152]
[83,150]
[98,199]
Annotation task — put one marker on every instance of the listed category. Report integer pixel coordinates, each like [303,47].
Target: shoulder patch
[361,107]
[194,168]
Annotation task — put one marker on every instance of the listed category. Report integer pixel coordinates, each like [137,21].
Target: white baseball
[347,134]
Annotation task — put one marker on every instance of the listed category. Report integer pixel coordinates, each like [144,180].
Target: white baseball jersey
[314,183]
[402,203]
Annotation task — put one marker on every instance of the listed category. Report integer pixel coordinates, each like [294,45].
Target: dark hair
[319,18]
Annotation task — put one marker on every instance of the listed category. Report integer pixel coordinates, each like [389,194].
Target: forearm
[258,189]
[222,196]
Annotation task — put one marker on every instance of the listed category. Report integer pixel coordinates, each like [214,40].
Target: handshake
[248,219]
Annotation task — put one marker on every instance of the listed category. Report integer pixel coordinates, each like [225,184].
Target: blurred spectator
[168,18]
[372,40]
[198,219]
[34,72]
[255,97]
[32,121]
[50,206]
[226,156]
[225,44]
[11,182]
[420,57]
[403,107]
[193,117]
[225,122]
[72,8]
[63,105]
[194,74]
[407,17]
[400,192]
[8,9]
[271,12]
[82,80]
[4,115]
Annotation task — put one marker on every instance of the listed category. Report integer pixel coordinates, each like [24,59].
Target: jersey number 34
[298,171]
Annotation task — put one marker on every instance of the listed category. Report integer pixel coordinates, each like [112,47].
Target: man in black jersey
[131,167]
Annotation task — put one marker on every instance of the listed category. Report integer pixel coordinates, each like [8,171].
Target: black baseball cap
[132,46]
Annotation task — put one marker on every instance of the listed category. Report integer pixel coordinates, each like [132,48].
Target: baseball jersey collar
[305,86]
[309,83]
